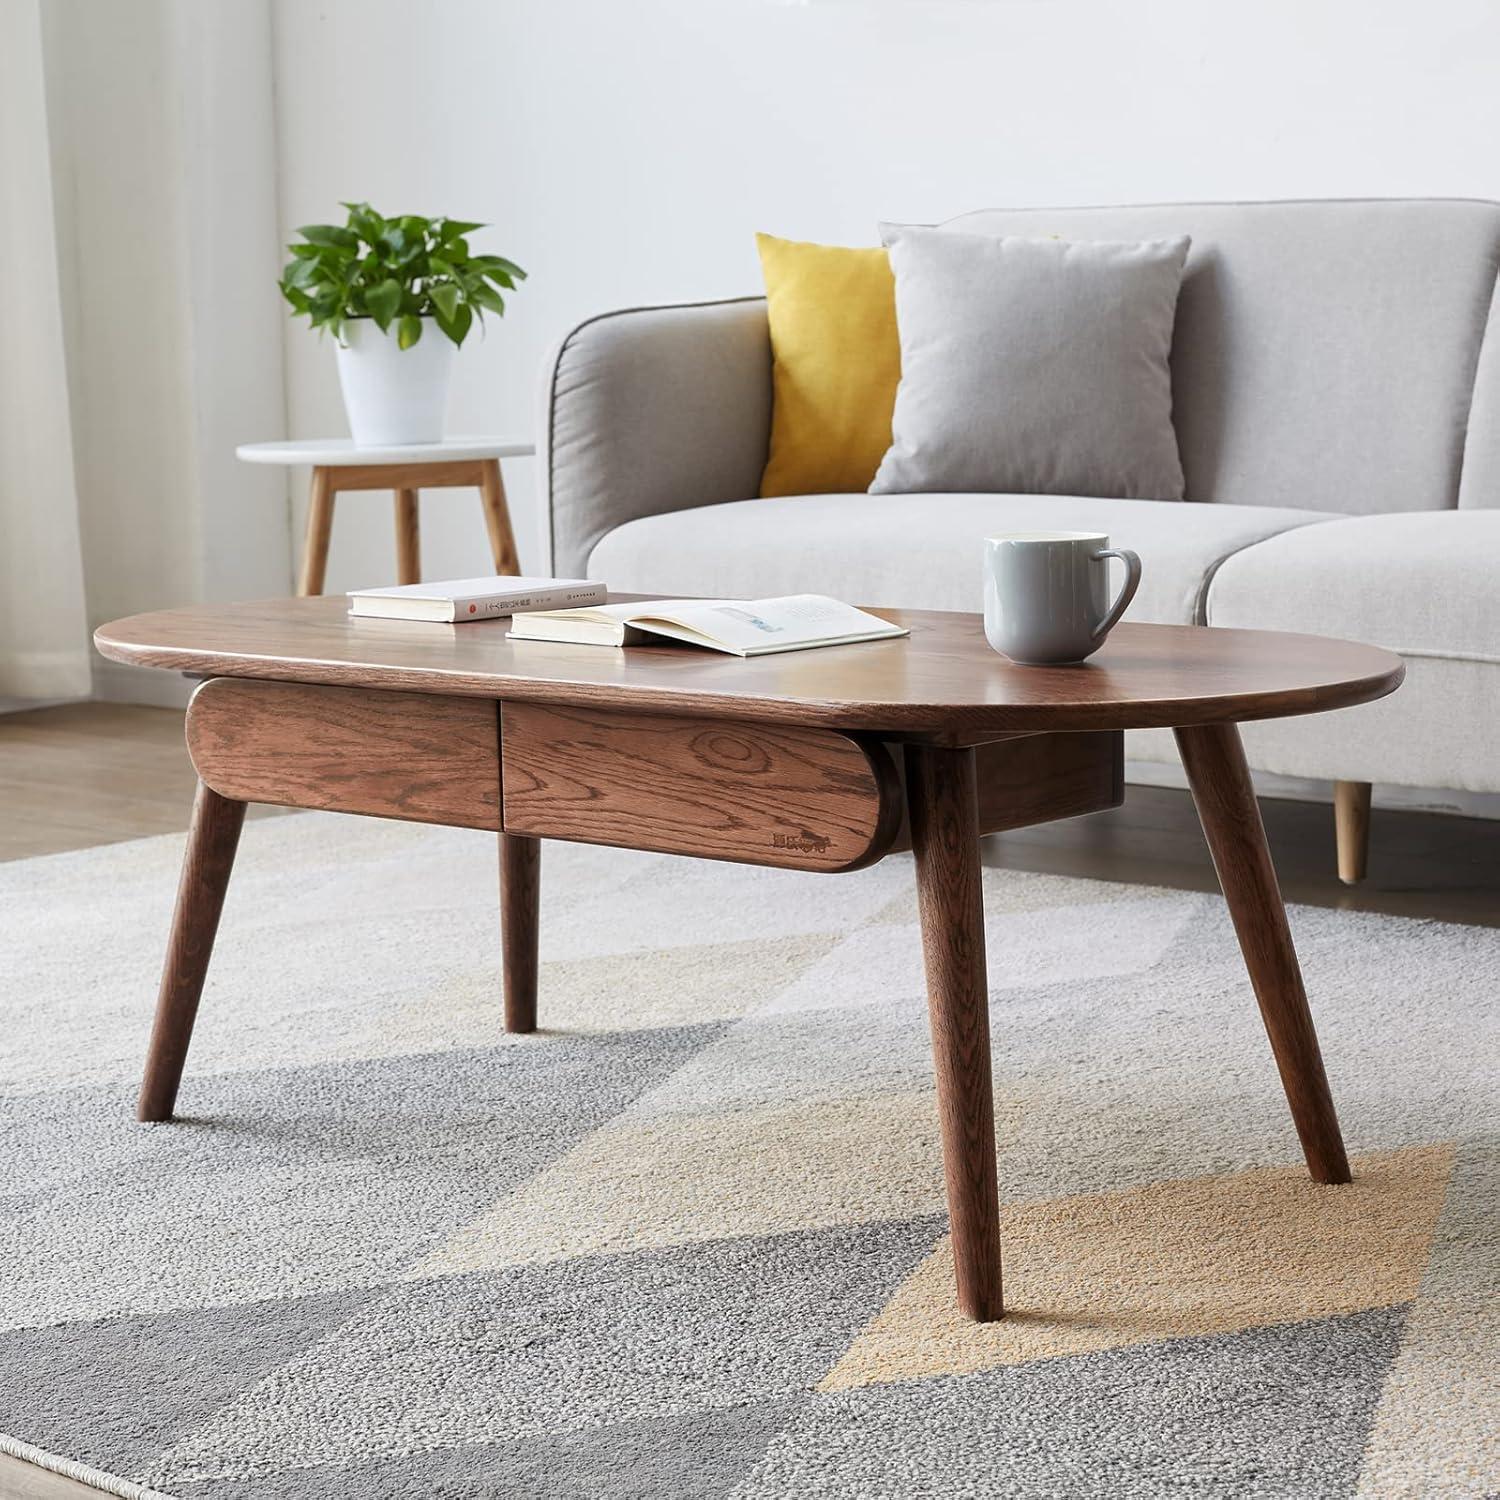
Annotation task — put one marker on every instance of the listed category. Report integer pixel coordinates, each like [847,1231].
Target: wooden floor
[91,773]
[95,773]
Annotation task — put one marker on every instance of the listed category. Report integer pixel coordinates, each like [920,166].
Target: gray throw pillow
[1033,366]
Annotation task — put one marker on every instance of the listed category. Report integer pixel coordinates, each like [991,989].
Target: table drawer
[416,756]
[806,799]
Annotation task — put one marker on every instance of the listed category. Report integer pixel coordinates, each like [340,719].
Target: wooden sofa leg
[1351,821]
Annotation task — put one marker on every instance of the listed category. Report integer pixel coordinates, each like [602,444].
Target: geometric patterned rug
[689,1239]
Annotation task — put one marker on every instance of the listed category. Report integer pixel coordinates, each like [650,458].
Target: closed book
[457,600]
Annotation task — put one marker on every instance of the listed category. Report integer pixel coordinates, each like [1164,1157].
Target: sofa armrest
[649,410]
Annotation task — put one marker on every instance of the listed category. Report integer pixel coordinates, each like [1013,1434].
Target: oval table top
[340,453]
[943,682]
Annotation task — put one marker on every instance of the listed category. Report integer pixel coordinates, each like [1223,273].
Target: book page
[621,613]
[761,623]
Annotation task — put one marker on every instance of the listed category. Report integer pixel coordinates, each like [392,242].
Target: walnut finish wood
[1351,821]
[944,812]
[520,902]
[413,756]
[1220,779]
[1039,778]
[206,863]
[408,538]
[319,530]
[803,799]
[943,684]
[497,520]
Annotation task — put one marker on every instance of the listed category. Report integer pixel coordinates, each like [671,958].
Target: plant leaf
[303,273]
[447,230]
[456,327]
[487,297]
[408,331]
[330,234]
[488,263]
[444,298]
[384,301]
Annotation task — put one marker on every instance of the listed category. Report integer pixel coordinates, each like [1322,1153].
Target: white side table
[338,465]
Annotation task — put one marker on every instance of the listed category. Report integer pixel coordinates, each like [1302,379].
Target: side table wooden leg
[408,538]
[497,519]
[520,901]
[944,812]
[1220,779]
[206,863]
[319,529]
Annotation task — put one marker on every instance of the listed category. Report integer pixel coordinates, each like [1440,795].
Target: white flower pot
[394,395]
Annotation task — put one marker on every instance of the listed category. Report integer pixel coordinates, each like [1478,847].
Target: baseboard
[116,682]
[1299,789]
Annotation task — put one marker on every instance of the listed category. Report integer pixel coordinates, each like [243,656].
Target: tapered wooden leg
[408,538]
[520,899]
[1220,779]
[944,816]
[206,863]
[319,529]
[1351,822]
[497,519]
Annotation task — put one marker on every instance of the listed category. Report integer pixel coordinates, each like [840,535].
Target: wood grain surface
[412,756]
[1037,778]
[408,537]
[520,909]
[1220,779]
[465,472]
[940,785]
[1044,777]
[1351,822]
[803,799]
[319,533]
[212,840]
[943,682]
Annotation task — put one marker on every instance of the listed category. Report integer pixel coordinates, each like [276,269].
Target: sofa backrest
[1325,353]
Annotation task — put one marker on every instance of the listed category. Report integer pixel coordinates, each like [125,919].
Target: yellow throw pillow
[836,363]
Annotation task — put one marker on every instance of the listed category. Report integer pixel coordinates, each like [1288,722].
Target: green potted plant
[399,295]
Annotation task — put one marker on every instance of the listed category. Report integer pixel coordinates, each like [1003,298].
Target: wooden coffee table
[820,760]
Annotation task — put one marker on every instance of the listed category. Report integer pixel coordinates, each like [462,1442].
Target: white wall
[626,150]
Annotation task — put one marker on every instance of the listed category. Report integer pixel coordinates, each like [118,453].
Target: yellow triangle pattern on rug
[1172,1260]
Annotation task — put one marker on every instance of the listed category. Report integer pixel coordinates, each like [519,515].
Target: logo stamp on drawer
[803,843]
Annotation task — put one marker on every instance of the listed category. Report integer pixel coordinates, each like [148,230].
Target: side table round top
[343,453]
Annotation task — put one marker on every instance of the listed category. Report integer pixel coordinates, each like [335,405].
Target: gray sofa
[1336,395]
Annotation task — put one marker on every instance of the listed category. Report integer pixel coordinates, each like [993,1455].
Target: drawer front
[415,756]
[806,799]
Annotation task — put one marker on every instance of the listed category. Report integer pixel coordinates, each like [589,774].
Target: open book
[742,627]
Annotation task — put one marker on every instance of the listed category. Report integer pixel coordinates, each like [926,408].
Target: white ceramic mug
[1046,594]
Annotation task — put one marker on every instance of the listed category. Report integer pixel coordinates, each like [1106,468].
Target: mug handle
[1127,593]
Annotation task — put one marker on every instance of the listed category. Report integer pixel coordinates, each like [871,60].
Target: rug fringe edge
[111,1484]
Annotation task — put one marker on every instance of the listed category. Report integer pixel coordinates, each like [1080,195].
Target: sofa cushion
[1033,366]
[1420,584]
[835,362]
[1423,585]
[919,551]
[1325,352]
